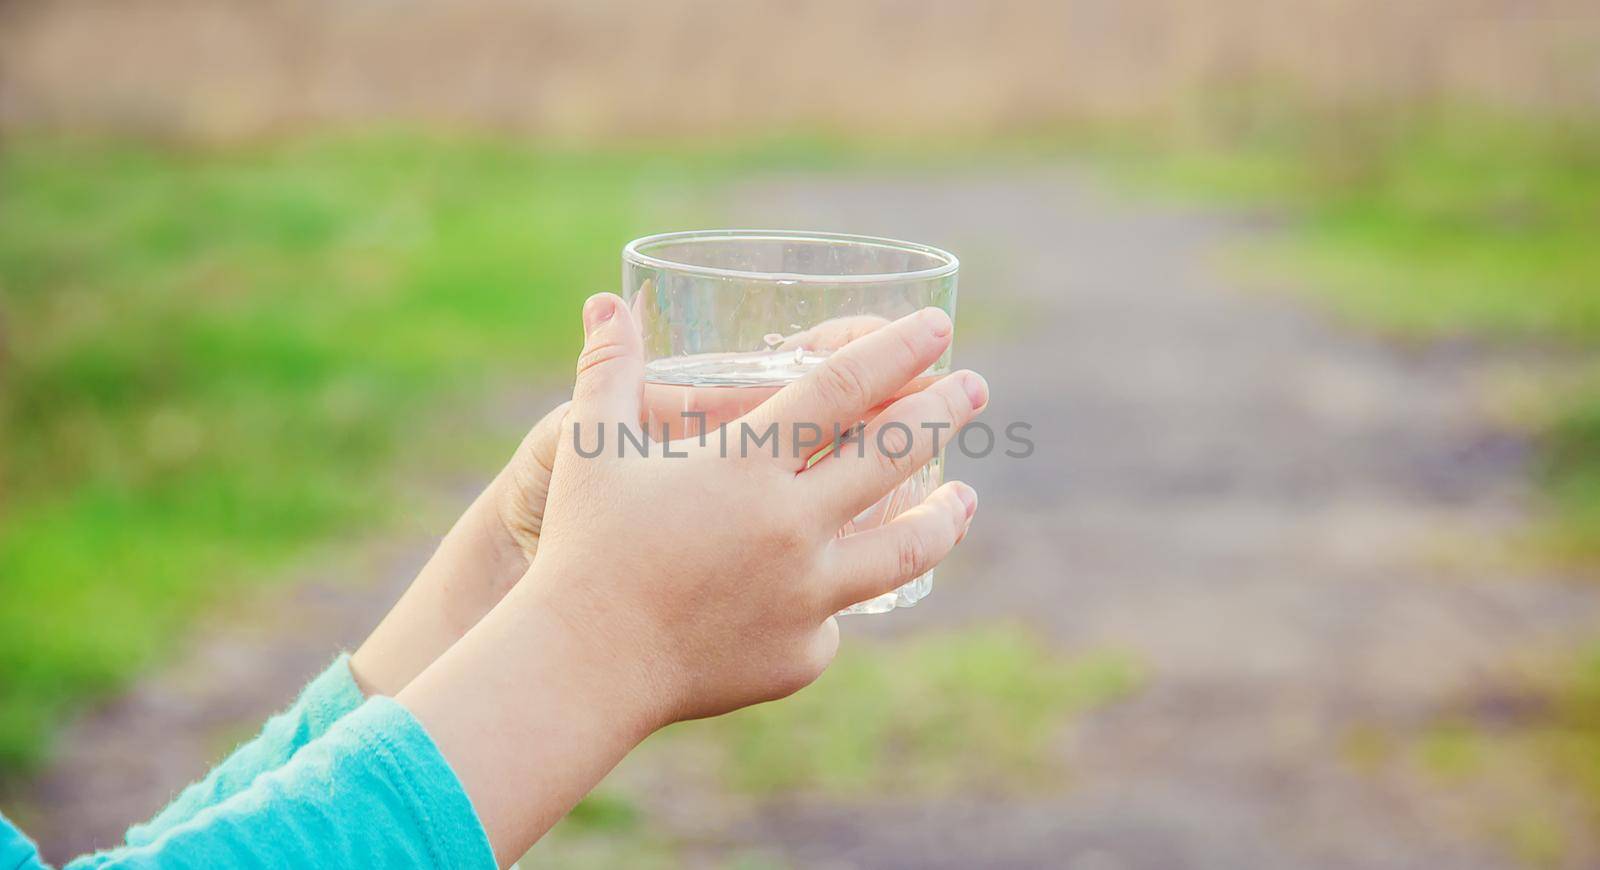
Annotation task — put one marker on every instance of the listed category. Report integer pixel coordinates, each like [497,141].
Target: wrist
[624,670]
[531,695]
[474,565]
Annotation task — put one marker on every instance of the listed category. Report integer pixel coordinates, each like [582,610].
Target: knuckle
[832,578]
[845,380]
[909,347]
[598,355]
[895,441]
[956,405]
[912,556]
[896,449]
[787,534]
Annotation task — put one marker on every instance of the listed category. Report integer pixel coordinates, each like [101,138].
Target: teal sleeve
[323,702]
[371,792]
[17,852]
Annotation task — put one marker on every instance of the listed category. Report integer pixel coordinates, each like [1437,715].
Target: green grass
[1423,225]
[1570,471]
[929,714]
[209,362]
[213,360]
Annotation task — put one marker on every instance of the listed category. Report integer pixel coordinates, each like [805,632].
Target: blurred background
[1301,299]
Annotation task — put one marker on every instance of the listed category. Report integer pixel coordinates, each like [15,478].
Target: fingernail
[977,389]
[937,321]
[969,498]
[596,311]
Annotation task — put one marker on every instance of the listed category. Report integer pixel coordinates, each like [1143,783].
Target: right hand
[714,579]
[670,588]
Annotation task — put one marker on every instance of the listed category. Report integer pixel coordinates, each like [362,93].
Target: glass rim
[633,253]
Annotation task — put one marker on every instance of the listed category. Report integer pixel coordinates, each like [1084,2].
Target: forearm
[483,556]
[532,708]
[472,568]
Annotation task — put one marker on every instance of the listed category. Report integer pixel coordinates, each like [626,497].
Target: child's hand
[669,588]
[493,543]
[718,576]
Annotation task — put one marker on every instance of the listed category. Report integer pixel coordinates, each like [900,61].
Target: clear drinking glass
[730,316]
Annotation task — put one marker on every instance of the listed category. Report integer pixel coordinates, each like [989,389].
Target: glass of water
[729,317]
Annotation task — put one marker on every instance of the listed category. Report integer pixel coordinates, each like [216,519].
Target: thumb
[611,367]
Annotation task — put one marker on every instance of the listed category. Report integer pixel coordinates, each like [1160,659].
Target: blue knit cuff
[331,696]
[443,812]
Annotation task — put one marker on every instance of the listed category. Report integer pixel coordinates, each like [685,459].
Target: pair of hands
[582,603]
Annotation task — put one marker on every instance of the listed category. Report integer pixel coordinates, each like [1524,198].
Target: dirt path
[1257,505]
[1260,505]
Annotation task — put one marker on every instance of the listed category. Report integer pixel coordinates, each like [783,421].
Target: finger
[834,333]
[522,502]
[841,391]
[871,563]
[611,367]
[677,411]
[900,440]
